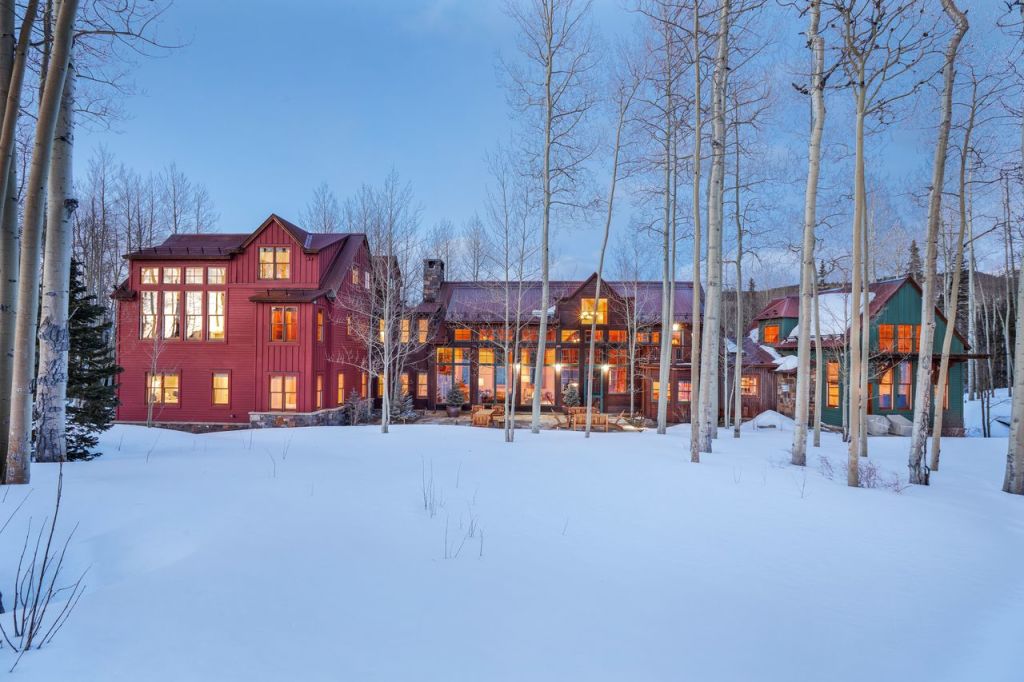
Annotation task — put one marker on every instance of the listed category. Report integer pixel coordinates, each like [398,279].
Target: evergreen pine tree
[822,273]
[915,268]
[92,391]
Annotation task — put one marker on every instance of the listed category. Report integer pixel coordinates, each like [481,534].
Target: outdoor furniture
[499,410]
[561,421]
[475,408]
[482,417]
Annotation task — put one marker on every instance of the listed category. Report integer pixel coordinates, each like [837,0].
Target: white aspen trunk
[12,72]
[620,124]
[738,368]
[1013,482]
[953,297]
[919,436]
[807,275]
[972,314]
[20,440]
[712,325]
[1008,269]
[865,340]
[54,339]
[853,397]
[665,348]
[695,311]
[818,365]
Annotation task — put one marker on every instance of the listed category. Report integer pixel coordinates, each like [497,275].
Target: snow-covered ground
[307,554]
[999,418]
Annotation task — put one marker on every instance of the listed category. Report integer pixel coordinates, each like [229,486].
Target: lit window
[364,381]
[380,330]
[215,315]
[216,275]
[193,275]
[405,331]
[172,315]
[194,315]
[885,390]
[162,389]
[341,388]
[221,386]
[148,322]
[405,384]
[421,385]
[275,262]
[355,275]
[655,391]
[906,338]
[886,338]
[683,391]
[588,311]
[748,385]
[283,391]
[319,391]
[284,323]
[903,387]
[618,370]
[320,325]
[771,333]
[150,275]
[422,327]
[570,336]
[832,380]
[366,279]
[617,336]
[463,335]
[172,275]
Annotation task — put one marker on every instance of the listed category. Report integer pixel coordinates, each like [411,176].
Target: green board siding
[786,325]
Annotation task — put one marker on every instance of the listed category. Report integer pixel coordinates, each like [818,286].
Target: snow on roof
[786,363]
[835,313]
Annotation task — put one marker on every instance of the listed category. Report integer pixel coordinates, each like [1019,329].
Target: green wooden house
[895,328]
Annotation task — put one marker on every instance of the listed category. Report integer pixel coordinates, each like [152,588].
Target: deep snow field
[307,554]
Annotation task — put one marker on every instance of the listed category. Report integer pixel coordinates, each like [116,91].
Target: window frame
[275,262]
[170,270]
[283,324]
[144,276]
[774,336]
[163,389]
[211,296]
[226,389]
[283,392]
[190,279]
[155,315]
[832,382]
[222,277]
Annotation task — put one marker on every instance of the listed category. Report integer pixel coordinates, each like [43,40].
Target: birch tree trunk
[738,368]
[12,72]
[1013,482]
[953,297]
[803,372]
[853,369]
[54,341]
[919,436]
[865,339]
[20,439]
[972,313]
[818,364]
[538,373]
[667,274]
[712,324]
[695,311]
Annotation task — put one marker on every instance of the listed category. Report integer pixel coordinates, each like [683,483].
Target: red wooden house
[228,328]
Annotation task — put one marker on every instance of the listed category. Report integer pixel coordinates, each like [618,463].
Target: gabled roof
[330,283]
[310,243]
[784,306]
[484,301]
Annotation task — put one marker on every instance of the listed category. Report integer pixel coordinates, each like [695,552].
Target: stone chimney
[433,278]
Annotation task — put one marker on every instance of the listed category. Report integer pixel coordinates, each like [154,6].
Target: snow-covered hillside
[308,554]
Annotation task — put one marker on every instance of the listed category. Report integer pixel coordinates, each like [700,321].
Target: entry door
[596,388]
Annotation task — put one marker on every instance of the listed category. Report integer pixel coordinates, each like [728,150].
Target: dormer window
[588,311]
[771,333]
[275,262]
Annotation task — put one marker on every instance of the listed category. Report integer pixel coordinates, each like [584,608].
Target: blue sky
[267,101]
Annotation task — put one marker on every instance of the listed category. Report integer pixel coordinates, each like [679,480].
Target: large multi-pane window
[193,275]
[148,322]
[491,382]
[771,333]
[905,338]
[216,275]
[569,372]
[162,388]
[275,262]
[421,385]
[618,370]
[221,388]
[527,369]
[284,323]
[463,334]
[903,384]
[194,315]
[887,338]
[589,311]
[684,391]
[894,387]
[215,319]
[172,275]
[452,369]
[150,275]
[748,385]
[832,383]
[172,315]
[619,336]
[283,391]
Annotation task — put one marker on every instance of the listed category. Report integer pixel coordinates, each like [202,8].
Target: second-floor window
[771,333]
[218,275]
[421,329]
[194,315]
[588,311]
[215,319]
[172,314]
[320,325]
[405,331]
[832,383]
[193,275]
[275,262]
[284,323]
[148,323]
[150,275]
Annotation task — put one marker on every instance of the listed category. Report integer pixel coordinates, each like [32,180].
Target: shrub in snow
[358,409]
[455,397]
[571,397]
[402,410]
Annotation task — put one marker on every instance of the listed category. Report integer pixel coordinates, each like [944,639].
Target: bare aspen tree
[625,89]
[54,338]
[919,436]
[738,364]
[12,74]
[880,44]
[474,239]
[553,88]
[20,439]
[818,363]
[323,213]
[696,311]
[816,91]
[712,324]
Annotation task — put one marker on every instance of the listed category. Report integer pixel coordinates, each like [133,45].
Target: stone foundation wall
[335,416]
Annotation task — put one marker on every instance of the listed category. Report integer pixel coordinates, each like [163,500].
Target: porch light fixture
[675,326]
[558,367]
[605,368]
